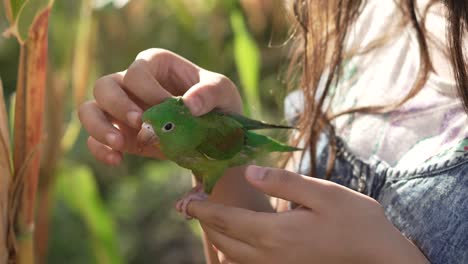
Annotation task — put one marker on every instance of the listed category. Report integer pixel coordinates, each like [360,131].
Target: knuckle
[222,90]
[103,88]
[207,92]
[93,146]
[224,82]
[219,78]
[228,83]
[89,143]
[153,53]
[83,108]
[132,71]
[148,53]
[136,66]
[282,179]
[101,84]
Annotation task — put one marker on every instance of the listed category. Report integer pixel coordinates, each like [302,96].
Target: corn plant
[28,23]
[5,177]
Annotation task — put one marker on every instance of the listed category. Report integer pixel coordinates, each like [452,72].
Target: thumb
[287,185]
[217,92]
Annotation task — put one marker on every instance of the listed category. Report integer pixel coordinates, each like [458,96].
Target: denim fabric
[429,205]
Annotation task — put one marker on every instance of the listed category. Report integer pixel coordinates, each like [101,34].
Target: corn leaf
[82,53]
[4,137]
[11,115]
[51,153]
[247,58]
[77,187]
[29,110]
[29,106]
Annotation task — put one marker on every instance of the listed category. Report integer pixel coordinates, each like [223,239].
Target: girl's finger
[140,82]
[99,126]
[175,73]
[111,98]
[104,153]
[213,91]
[237,223]
[234,250]
[313,193]
[202,90]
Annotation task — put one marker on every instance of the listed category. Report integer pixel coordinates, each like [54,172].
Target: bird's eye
[168,127]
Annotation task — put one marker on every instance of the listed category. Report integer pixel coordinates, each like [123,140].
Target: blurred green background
[125,214]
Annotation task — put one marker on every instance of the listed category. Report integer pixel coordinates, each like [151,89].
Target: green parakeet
[208,144]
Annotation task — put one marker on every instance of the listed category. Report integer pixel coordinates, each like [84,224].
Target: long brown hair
[321,30]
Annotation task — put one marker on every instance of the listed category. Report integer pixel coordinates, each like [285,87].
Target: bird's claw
[196,194]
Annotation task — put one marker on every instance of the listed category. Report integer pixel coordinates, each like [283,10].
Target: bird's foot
[196,194]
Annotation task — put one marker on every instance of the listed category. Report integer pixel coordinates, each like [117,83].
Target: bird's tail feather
[251,124]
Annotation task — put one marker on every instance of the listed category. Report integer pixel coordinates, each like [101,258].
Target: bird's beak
[147,136]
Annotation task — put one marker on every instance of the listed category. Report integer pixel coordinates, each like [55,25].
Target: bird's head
[170,126]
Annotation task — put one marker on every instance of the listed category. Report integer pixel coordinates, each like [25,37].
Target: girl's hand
[334,225]
[113,118]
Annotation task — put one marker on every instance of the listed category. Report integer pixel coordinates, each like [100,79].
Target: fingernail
[112,140]
[255,173]
[194,104]
[133,118]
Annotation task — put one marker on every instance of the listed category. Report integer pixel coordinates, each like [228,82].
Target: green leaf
[11,117]
[77,186]
[22,13]
[72,131]
[16,7]
[247,58]
[28,13]
[12,9]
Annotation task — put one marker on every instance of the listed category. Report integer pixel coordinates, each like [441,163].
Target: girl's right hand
[113,117]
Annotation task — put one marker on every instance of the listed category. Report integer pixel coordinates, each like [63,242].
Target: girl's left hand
[334,225]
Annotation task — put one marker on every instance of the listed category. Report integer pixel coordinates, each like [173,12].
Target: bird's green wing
[224,137]
[251,124]
[266,144]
